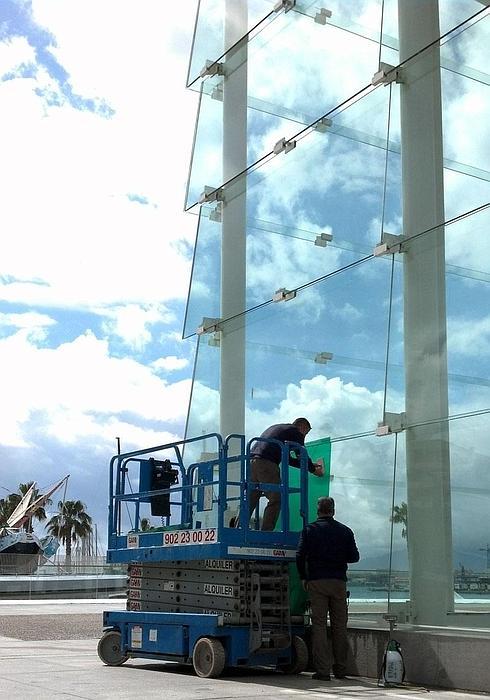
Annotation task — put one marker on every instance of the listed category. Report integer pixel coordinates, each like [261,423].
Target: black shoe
[340,675]
[321,677]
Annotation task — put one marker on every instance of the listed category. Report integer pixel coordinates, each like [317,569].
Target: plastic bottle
[393,667]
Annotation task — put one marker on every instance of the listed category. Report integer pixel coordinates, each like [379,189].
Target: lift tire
[109,649]
[299,657]
[208,657]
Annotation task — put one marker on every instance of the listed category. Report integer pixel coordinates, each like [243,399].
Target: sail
[28,506]
[18,516]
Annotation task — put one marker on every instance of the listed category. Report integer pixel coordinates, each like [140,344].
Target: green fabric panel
[317,486]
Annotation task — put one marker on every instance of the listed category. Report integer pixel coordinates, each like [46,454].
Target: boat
[21,551]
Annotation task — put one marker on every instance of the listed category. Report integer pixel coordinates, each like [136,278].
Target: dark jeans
[265,471]
[329,596]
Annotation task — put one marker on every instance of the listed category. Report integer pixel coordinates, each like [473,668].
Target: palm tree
[400,516]
[9,504]
[7,507]
[70,524]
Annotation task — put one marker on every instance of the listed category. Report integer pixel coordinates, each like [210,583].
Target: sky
[96,144]
[95,141]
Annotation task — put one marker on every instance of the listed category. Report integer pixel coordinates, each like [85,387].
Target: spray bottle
[393,670]
[393,667]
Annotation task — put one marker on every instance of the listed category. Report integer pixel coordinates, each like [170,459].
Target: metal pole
[120,489]
[427,447]
[233,242]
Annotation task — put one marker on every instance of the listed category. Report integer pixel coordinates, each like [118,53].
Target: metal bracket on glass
[392,423]
[216,214]
[283,294]
[285,5]
[211,68]
[283,145]
[322,16]
[322,358]
[390,244]
[217,92]
[386,74]
[208,325]
[322,125]
[211,194]
[323,239]
[215,340]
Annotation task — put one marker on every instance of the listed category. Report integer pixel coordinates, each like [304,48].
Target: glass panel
[398,580]
[206,166]
[324,172]
[354,19]
[468,319]
[278,107]
[361,484]
[292,201]
[203,417]
[466,187]
[209,39]
[289,347]
[455,12]
[204,289]
[465,110]
[395,376]
[470,494]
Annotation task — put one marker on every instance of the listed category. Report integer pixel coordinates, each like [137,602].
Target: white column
[428,467]
[233,244]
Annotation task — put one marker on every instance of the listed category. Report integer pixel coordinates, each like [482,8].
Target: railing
[185,500]
[26,565]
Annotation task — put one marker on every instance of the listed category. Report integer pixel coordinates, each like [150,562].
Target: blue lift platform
[207,587]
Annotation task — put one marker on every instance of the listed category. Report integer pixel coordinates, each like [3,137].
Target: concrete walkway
[43,656]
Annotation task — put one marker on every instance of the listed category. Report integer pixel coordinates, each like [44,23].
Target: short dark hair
[302,423]
[326,505]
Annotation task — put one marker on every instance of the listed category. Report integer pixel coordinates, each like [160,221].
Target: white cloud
[170,363]
[133,323]
[78,387]
[15,53]
[30,320]
[471,338]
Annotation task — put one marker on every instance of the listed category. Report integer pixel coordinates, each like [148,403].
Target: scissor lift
[199,590]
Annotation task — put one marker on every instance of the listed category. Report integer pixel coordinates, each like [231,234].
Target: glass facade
[360,129]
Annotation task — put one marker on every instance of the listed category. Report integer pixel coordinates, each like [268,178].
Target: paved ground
[48,651]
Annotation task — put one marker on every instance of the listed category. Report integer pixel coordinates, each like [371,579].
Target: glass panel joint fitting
[386,74]
[283,294]
[391,423]
[322,16]
[216,214]
[322,125]
[390,244]
[217,92]
[283,145]
[208,325]
[285,5]
[322,358]
[211,194]
[323,239]
[211,68]
[215,340]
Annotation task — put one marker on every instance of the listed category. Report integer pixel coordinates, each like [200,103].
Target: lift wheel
[109,649]
[208,657]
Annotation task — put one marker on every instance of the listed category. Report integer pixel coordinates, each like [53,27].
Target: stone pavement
[48,651]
